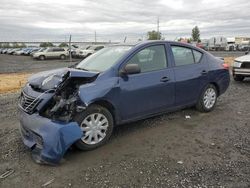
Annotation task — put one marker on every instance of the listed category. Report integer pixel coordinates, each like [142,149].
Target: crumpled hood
[245,58]
[51,79]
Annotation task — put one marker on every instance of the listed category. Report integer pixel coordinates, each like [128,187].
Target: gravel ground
[11,63]
[208,150]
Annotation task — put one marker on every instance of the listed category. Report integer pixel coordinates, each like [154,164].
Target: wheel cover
[94,128]
[209,98]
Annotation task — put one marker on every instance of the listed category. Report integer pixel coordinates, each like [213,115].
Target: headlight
[237,64]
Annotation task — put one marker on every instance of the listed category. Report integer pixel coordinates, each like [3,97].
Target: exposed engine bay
[65,102]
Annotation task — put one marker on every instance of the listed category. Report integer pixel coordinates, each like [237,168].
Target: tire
[41,57]
[238,78]
[89,142]
[208,99]
[62,57]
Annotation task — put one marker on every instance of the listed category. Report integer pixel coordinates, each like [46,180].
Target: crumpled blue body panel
[49,140]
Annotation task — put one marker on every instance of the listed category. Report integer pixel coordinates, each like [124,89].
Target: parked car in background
[38,50]
[116,85]
[12,51]
[4,51]
[51,53]
[76,52]
[20,51]
[31,51]
[72,50]
[241,68]
[87,52]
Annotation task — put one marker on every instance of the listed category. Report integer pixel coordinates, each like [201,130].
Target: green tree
[6,45]
[63,44]
[46,44]
[154,35]
[196,34]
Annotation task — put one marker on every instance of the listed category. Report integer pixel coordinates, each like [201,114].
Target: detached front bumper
[49,140]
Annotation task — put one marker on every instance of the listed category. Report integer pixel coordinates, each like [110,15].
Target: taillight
[225,66]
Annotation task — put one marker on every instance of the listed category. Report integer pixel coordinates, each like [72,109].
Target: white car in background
[241,67]
[76,52]
[51,53]
[83,53]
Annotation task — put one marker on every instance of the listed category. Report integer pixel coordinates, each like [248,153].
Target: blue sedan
[121,83]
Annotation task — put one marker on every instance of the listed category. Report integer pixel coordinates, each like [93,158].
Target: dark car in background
[116,85]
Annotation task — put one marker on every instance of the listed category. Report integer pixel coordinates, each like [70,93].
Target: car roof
[142,43]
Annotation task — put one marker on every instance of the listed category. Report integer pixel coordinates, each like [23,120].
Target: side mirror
[130,69]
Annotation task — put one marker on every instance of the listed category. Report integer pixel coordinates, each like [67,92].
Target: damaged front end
[48,104]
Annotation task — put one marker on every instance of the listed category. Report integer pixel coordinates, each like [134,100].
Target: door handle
[204,72]
[164,79]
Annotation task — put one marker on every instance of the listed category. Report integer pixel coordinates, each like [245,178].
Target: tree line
[195,35]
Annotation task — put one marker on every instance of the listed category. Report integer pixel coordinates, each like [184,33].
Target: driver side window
[150,59]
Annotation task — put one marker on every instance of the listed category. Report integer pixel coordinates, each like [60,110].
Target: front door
[150,91]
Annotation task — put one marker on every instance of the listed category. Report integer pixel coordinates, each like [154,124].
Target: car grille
[245,65]
[28,103]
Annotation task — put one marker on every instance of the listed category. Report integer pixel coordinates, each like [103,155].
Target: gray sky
[36,20]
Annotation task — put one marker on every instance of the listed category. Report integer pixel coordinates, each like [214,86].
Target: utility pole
[95,37]
[125,39]
[158,28]
[70,58]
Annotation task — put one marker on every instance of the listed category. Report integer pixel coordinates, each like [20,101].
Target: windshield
[103,59]
[42,49]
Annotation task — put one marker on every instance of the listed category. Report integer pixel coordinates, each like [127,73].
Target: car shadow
[246,81]
[131,128]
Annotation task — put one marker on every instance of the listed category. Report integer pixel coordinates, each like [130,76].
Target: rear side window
[150,59]
[197,56]
[182,55]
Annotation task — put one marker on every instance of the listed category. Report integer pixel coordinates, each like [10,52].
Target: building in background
[217,43]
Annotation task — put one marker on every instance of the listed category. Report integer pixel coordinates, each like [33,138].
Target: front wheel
[96,123]
[207,100]
[41,57]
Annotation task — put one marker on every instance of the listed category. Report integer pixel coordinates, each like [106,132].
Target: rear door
[57,52]
[150,91]
[49,53]
[191,73]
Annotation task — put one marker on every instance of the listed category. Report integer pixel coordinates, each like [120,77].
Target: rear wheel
[238,78]
[62,57]
[208,99]
[96,123]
